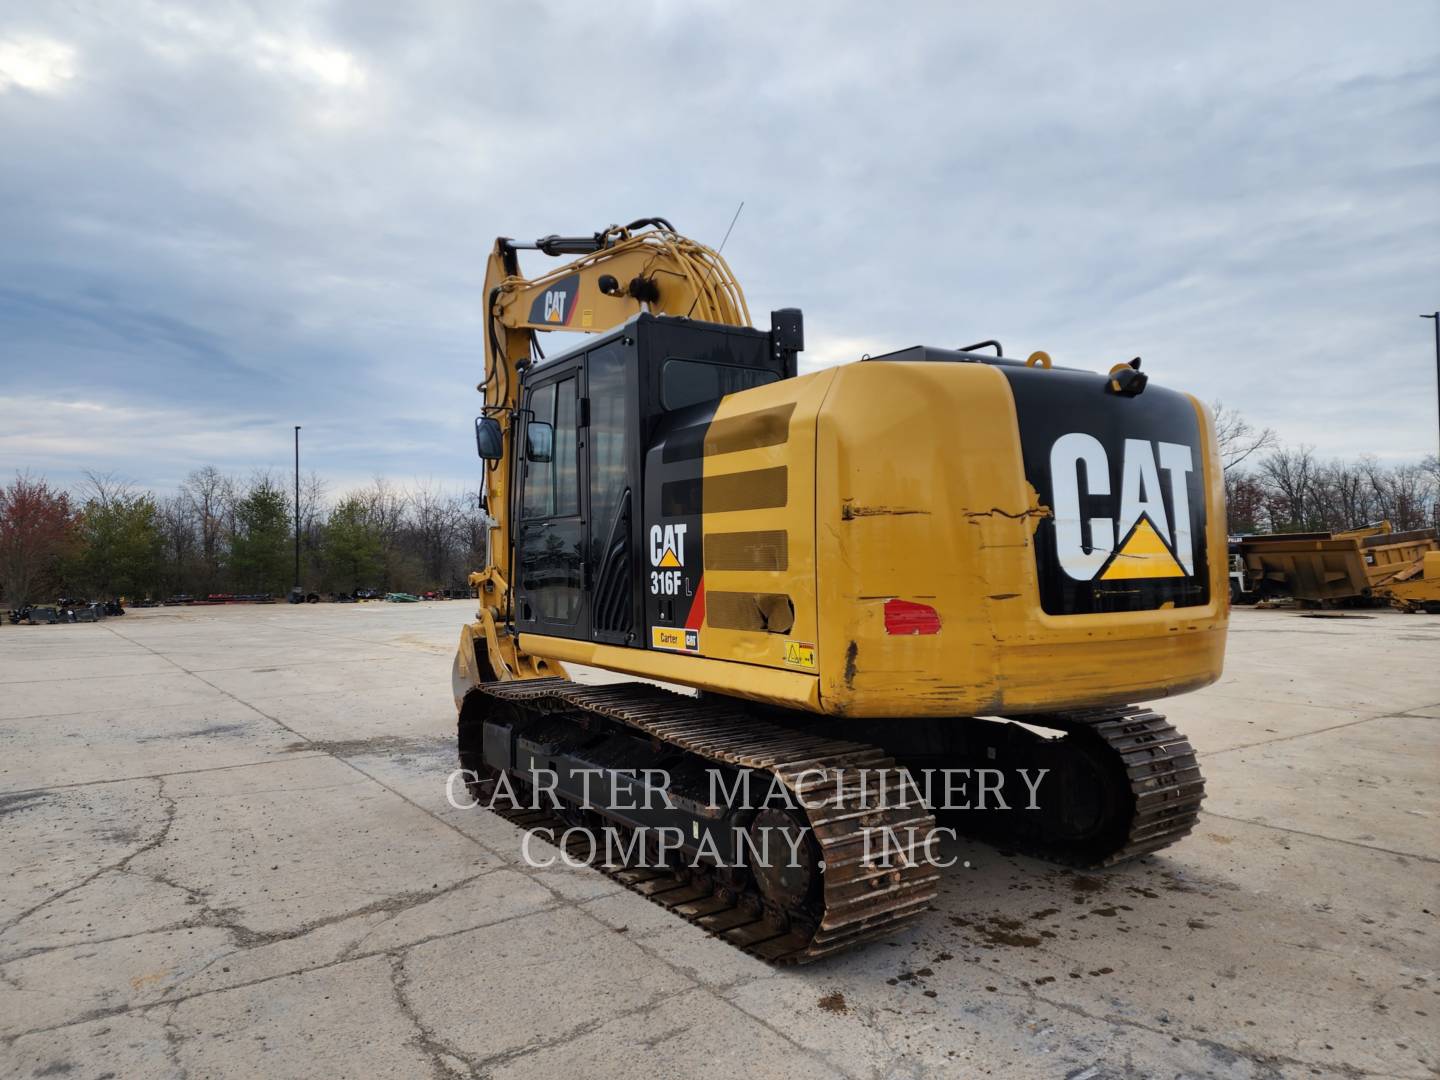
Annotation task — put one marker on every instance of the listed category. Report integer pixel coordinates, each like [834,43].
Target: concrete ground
[228,852]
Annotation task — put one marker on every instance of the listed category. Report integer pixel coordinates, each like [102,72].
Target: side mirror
[488,439]
[539,441]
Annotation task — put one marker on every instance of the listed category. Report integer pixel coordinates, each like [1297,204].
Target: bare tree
[1236,438]
[473,536]
[1340,496]
[1431,465]
[313,512]
[385,506]
[211,496]
[1245,502]
[1289,473]
[1405,492]
[432,514]
[177,526]
[106,489]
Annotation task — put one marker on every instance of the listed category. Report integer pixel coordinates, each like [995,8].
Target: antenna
[718,252]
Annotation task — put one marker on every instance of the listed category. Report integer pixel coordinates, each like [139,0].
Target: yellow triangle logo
[669,559]
[1142,555]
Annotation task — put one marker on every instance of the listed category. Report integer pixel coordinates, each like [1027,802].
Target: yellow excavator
[936,562]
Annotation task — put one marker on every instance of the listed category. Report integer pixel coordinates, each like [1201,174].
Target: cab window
[689,382]
[552,488]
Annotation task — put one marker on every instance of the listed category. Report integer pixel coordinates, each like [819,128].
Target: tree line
[218,534]
[1271,487]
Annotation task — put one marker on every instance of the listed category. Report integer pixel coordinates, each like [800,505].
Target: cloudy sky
[219,220]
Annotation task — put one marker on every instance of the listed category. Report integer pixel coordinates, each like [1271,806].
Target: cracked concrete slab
[422,778]
[46,667]
[132,1044]
[116,904]
[553,976]
[1245,726]
[1356,661]
[123,743]
[350,1025]
[56,841]
[61,697]
[691,1034]
[1371,784]
[1170,965]
[323,677]
[410,706]
[276,848]
[702,958]
[285,889]
[107,976]
[407,919]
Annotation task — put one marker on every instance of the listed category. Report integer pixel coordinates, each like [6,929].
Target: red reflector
[905,617]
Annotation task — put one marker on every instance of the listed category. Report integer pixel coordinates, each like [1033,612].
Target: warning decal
[800,654]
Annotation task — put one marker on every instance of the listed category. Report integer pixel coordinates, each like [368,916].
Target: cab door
[611,465]
[550,574]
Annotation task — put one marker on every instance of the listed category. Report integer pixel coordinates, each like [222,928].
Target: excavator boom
[620,272]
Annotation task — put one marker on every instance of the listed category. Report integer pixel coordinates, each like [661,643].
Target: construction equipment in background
[1417,588]
[1325,568]
[1244,589]
[871,566]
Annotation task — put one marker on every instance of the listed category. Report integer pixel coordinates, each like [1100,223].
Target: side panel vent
[763,612]
[767,549]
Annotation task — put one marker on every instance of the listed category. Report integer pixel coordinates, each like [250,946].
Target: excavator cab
[589,418]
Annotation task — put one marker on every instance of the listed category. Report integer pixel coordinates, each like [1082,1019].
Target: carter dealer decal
[675,638]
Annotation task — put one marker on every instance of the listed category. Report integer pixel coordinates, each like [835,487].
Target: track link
[1160,772]
[859,899]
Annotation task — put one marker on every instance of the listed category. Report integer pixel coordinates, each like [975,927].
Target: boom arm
[621,271]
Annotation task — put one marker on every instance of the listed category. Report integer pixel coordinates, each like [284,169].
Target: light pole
[297,593]
[1436,319]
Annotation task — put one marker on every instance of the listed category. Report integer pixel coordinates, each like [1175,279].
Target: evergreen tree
[122,546]
[259,552]
[352,550]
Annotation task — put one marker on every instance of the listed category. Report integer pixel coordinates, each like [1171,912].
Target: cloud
[37,64]
[222,221]
[157,446]
[325,66]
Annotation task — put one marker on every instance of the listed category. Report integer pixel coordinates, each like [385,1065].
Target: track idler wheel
[786,863]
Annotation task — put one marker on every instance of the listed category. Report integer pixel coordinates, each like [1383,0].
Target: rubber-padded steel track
[859,900]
